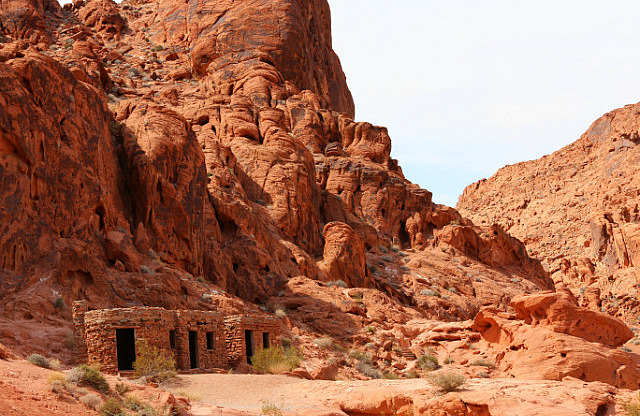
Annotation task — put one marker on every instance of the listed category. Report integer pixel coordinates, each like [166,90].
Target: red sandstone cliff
[576,210]
[151,147]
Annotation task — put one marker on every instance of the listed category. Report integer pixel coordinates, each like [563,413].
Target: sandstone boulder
[344,257]
[560,312]
[537,352]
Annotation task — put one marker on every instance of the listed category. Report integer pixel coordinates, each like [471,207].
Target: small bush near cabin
[276,360]
[154,363]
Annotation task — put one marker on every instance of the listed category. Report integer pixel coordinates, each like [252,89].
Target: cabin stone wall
[220,341]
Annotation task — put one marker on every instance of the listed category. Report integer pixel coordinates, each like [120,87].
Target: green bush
[153,363]
[39,360]
[276,360]
[339,283]
[428,362]
[447,381]
[88,374]
[111,407]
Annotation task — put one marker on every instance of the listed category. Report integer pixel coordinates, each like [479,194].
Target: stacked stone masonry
[198,340]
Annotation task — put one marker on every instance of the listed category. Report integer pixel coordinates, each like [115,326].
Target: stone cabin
[199,340]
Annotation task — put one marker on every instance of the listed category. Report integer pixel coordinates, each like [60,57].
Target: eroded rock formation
[576,209]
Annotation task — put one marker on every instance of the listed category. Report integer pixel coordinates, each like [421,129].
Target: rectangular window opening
[210,340]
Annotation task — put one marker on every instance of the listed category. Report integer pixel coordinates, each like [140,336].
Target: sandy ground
[249,393]
[236,395]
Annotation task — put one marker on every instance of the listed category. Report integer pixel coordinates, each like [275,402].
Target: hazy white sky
[466,86]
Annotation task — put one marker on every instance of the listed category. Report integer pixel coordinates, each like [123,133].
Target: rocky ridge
[576,210]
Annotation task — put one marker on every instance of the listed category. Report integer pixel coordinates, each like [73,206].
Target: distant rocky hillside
[576,210]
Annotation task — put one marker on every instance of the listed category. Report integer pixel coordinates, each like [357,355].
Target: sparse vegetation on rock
[39,360]
[447,381]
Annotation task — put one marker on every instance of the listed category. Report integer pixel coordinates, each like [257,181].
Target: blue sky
[466,87]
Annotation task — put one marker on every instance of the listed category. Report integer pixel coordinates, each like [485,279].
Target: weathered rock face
[286,40]
[550,345]
[560,312]
[26,19]
[59,166]
[157,153]
[577,209]
[344,256]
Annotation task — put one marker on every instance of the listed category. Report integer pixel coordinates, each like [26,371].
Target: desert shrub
[370,329]
[368,369]
[111,407]
[386,258]
[412,374]
[481,362]
[338,283]
[483,374]
[428,362]
[323,342]
[447,381]
[276,360]
[88,374]
[58,303]
[270,409]
[390,376]
[280,313]
[39,360]
[58,382]
[57,377]
[55,364]
[153,363]
[91,400]
[75,375]
[191,395]
[57,386]
[122,389]
[149,410]
[131,402]
[448,360]
[357,354]
[631,408]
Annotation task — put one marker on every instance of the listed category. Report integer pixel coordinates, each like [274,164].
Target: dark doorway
[125,348]
[248,343]
[193,349]
[265,340]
